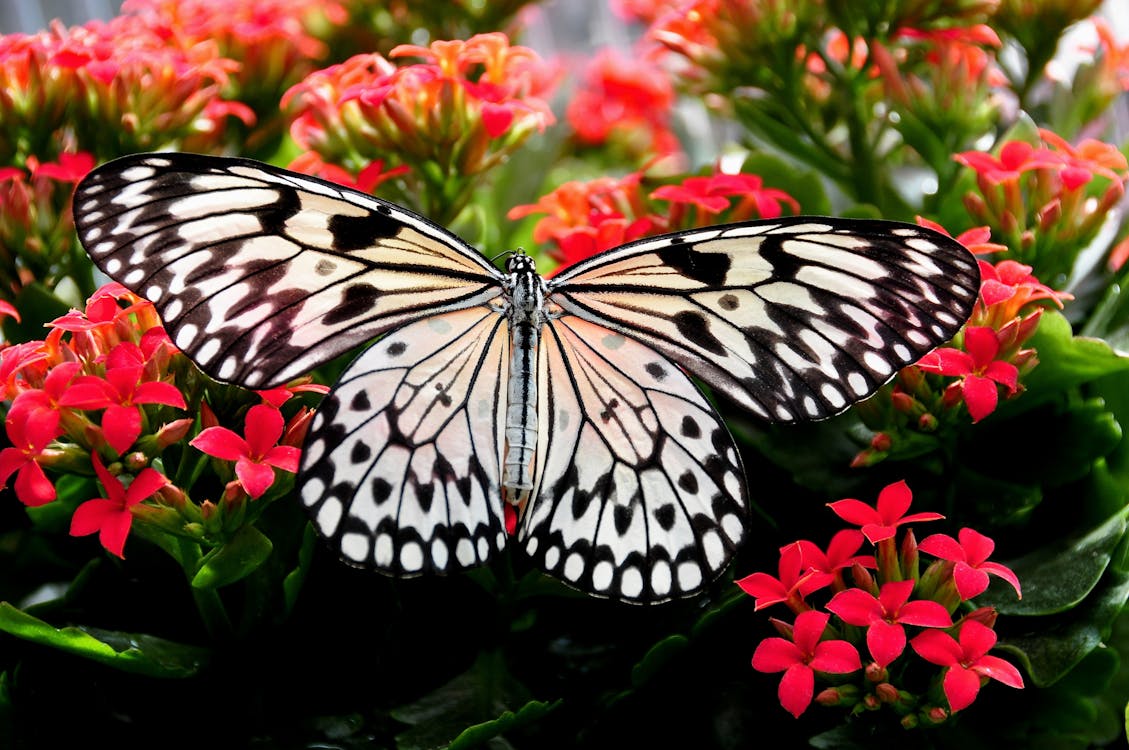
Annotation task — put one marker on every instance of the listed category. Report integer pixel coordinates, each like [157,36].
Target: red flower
[795,582]
[881,522]
[978,369]
[971,557]
[1016,157]
[123,392]
[255,456]
[801,657]
[967,662]
[711,194]
[885,615]
[840,553]
[30,429]
[110,516]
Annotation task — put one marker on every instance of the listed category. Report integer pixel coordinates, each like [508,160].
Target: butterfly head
[520,263]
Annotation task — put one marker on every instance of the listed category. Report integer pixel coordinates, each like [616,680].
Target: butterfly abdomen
[525,313]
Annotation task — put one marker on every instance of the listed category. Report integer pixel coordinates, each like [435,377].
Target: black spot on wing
[358,232]
[357,300]
[696,328]
[708,268]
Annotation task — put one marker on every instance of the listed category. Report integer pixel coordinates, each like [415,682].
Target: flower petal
[937,647]
[256,478]
[263,427]
[775,655]
[796,689]
[220,442]
[961,687]
[886,641]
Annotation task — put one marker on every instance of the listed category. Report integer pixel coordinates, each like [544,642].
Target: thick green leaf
[292,584]
[527,715]
[1066,360]
[1057,579]
[130,652]
[1052,646]
[236,559]
[473,700]
[657,657]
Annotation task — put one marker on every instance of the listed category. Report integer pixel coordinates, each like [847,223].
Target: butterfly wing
[639,493]
[401,468]
[261,274]
[792,319]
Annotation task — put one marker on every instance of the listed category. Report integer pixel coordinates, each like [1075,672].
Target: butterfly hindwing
[793,319]
[401,468]
[639,490]
[261,274]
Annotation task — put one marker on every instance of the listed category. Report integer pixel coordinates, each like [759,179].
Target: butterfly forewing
[261,274]
[792,319]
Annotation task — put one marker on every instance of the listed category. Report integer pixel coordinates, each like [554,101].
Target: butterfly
[571,398]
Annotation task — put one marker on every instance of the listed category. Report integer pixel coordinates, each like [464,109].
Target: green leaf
[657,657]
[1057,579]
[130,652]
[1052,646]
[477,701]
[243,553]
[1066,360]
[478,734]
[292,583]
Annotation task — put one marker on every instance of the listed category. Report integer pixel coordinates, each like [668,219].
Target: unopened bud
[886,692]
[875,672]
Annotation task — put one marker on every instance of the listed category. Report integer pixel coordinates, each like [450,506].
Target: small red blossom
[30,430]
[795,582]
[978,369]
[258,455]
[970,554]
[886,615]
[1016,157]
[712,194]
[111,516]
[840,555]
[967,662]
[881,522]
[801,657]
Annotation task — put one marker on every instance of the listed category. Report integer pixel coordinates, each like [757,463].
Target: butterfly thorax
[525,314]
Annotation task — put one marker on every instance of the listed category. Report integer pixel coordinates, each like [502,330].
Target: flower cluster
[276,42]
[1046,200]
[624,105]
[450,119]
[878,604]
[110,88]
[37,241]
[584,218]
[107,393]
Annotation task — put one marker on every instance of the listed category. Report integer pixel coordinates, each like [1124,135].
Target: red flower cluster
[114,87]
[450,119]
[1047,201]
[105,393]
[584,218]
[624,104]
[882,609]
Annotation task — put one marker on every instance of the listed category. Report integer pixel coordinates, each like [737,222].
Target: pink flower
[970,574]
[882,522]
[795,582]
[258,455]
[978,369]
[801,657]
[885,615]
[30,428]
[967,661]
[110,516]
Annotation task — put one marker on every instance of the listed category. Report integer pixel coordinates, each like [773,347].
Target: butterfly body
[571,397]
[525,314]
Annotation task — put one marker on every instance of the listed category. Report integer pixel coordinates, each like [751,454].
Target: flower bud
[875,672]
[173,432]
[886,692]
